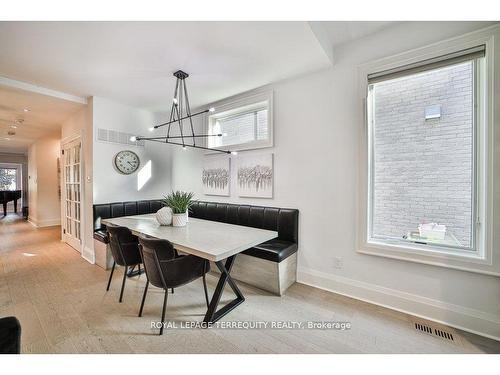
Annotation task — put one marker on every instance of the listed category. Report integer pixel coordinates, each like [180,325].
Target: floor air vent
[428,328]
[443,334]
[423,328]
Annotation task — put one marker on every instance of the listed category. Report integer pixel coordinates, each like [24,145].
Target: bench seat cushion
[101,235]
[274,250]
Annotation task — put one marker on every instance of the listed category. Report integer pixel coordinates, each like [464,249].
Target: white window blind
[244,126]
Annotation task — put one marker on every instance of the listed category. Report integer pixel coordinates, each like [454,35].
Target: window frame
[233,106]
[480,261]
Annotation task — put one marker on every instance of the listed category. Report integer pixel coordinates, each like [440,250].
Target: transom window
[423,154]
[245,124]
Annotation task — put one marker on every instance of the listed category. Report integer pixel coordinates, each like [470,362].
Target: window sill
[464,261]
[244,146]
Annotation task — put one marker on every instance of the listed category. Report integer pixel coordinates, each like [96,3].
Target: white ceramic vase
[164,216]
[179,220]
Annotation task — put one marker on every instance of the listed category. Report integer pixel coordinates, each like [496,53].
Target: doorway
[72,193]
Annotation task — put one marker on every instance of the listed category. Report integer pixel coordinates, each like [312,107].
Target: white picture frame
[216,175]
[255,175]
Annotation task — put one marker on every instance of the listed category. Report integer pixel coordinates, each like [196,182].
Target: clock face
[127,162]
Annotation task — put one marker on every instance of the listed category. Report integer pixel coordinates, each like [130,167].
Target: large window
[244,124]
[424,153]
[8,178]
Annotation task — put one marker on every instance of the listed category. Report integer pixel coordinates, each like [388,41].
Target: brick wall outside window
[423,168]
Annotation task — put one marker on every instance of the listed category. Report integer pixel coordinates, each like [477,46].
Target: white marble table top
[204,238]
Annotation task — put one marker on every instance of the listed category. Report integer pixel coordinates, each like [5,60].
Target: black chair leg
[139,274]
[206,291]
[163,311]
[172,290]
[111,276]
[144,297]
[123,282]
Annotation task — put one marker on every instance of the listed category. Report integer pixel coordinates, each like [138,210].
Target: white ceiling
[133,62]
[341,32]
[45,116]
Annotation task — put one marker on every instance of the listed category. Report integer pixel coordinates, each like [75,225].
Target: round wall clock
[127,162]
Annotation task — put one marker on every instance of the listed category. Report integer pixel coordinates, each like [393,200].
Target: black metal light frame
[180,104]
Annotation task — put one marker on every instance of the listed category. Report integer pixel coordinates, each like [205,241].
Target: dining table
[215,241]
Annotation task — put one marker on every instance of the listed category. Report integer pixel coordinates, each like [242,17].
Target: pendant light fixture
[180,113]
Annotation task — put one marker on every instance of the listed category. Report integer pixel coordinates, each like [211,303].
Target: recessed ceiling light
[26,110]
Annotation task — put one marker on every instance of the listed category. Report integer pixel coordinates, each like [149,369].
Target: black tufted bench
[117,209]
[271,265]
[109,210]
[282,220]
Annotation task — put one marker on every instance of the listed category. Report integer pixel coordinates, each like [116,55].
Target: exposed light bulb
[13,126]
[151,128]
[176,101]
[133,138]
[212,109]
[224,134]
[7,138]
[184,148]
[234,153]
[26,110]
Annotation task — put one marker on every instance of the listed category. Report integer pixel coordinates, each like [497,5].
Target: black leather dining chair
[125,251]
[166,269]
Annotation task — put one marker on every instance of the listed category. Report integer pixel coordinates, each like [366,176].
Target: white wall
[317,120]
[109,184]
[43,181]
[103,184]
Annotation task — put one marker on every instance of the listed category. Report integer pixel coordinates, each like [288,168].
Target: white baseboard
[44,223]
[88,254]
[461,317]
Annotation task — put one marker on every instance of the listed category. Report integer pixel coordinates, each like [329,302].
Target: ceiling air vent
[113,136]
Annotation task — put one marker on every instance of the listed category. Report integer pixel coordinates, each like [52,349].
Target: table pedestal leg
[213,314]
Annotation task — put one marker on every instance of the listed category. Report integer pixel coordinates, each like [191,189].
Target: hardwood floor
[63,307]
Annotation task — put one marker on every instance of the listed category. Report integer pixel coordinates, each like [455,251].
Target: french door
[72,193]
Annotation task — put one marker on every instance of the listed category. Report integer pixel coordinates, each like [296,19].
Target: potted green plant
[179,202]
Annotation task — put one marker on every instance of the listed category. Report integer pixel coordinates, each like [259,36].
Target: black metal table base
[134,272]
[213,314]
